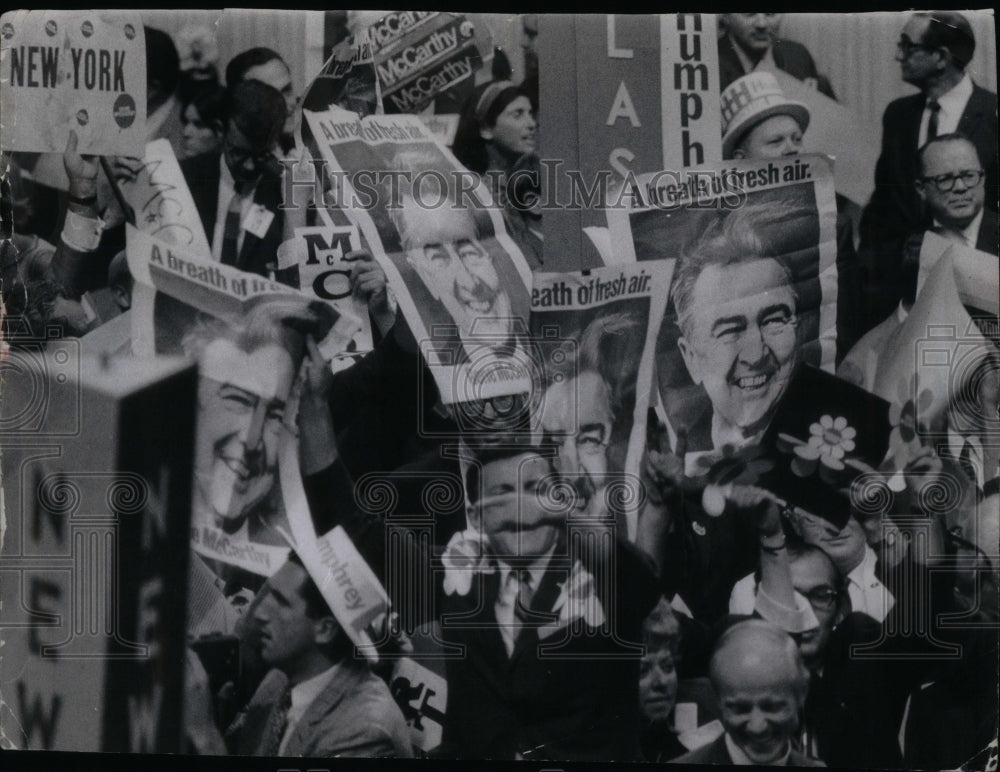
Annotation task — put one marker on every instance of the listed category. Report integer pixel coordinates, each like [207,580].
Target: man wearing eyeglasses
[853,709]
[934,50]
[237,190]
[951,186]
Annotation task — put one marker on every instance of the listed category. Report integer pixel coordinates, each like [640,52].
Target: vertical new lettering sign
[689,82]
[79,70]
[94,561]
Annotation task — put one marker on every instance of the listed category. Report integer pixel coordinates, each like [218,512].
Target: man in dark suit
[751,41]
[760,682]
[934,50]
[317,699]
[237,190]
[950,184]
[538,679]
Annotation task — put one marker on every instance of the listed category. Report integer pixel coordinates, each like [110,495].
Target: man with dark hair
[541,677]
[585,401]
[237,190]
[318,700]
[163,74]
[267,66]
[934,50]
[751,41]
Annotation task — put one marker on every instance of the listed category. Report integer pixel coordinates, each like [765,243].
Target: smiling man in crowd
[736,308]
[760,682]
[539,679]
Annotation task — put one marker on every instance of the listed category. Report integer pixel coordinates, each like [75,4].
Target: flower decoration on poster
[825,452]
[463,558]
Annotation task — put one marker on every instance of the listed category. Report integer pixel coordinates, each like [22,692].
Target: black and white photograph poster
[479,386]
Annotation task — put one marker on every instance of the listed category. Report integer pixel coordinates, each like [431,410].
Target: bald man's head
[761,683]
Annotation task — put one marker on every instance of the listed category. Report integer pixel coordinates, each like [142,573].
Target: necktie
[231,232]
[932,123]
[519,591]
[525,592]
[275,729]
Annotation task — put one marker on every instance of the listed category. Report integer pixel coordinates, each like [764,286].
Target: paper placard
[79,70]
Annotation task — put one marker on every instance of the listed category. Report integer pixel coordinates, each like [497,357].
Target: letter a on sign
[622,107]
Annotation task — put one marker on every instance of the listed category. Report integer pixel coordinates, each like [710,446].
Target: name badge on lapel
[258,220]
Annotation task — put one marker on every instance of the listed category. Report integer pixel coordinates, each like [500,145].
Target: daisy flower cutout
[830,440]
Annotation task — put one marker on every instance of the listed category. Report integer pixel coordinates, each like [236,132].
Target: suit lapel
[483,631]
[343,682]
[913,136]
[987,239]
[541,611]
[974,113]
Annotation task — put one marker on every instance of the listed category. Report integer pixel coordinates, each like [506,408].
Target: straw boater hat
[752,99]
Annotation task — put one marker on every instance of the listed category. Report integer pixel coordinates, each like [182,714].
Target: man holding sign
[317,700]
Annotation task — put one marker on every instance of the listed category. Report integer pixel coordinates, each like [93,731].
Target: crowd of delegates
[729,636]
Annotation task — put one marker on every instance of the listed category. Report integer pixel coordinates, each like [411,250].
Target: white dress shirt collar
[969,234]
[952,105]
[303,695]
[953,102]
[507,594]
[740,759]
[867,593]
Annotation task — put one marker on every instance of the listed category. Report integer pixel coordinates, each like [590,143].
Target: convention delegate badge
[258,220]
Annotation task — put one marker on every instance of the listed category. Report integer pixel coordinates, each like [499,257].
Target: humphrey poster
[753,292]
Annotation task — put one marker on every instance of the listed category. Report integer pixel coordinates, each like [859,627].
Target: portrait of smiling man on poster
[739,313]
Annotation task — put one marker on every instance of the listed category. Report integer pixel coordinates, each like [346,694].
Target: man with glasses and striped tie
[237,190]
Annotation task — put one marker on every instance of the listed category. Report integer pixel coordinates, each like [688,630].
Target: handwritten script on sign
[155,189]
